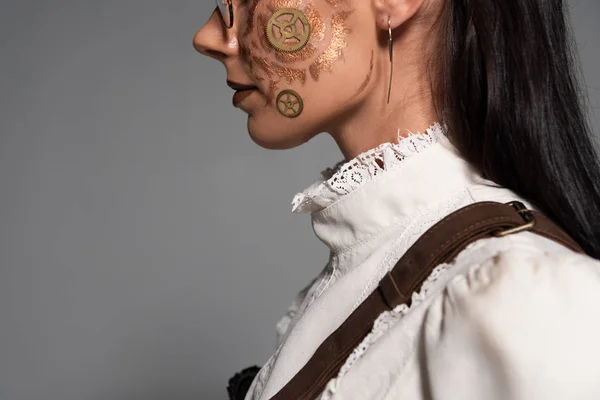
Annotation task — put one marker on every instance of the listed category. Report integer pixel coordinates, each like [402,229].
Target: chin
[276,137]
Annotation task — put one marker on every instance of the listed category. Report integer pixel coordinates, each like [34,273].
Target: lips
[242,91]
[241,95]
[239,86]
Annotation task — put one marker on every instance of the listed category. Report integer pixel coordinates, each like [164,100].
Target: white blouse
[516,317]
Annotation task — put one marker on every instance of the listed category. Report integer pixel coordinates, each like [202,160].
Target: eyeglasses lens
[226,9]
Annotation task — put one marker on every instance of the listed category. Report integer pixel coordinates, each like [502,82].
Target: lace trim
[346,177]
[381,325]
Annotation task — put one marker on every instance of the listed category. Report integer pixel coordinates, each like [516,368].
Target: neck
[411,109]
[364,132]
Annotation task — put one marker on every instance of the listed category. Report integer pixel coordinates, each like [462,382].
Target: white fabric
[511,318]
[345,177]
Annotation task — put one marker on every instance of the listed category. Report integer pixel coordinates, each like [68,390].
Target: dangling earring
[391,50]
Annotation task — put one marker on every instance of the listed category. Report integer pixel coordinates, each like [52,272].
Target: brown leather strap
[440,244]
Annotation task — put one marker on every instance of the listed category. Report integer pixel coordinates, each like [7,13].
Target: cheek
[283,37]
[289,44]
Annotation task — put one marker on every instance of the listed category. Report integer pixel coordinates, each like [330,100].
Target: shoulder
[526,266]
[523,323]
[511,318]
[523,277]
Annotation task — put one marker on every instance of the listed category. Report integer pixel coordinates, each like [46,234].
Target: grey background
[147,246]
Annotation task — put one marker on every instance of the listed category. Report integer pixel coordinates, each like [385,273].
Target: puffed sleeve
[524,325]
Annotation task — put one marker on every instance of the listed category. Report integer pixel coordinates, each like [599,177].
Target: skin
[341,74]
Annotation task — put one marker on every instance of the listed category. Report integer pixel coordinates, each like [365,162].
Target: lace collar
[346,177]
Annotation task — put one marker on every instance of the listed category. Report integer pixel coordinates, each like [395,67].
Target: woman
[490,85]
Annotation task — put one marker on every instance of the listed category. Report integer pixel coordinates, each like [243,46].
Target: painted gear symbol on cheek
[288,30]
[289,103]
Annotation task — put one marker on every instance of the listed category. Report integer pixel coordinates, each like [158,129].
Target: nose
[215,40]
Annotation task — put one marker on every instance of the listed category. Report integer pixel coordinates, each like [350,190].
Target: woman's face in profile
[309,63]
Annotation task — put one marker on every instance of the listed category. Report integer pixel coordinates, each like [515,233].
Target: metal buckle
[525,214]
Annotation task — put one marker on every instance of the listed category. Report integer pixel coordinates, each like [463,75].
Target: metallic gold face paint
[333,52]
[288,30]
[335,3]
[275,4]
[250,17]
[307,52]
[290,74]
[263,64]
[285,32]
[246,56]
[317,25]
[271,92]
[263,20]
[368,78]
[289,103]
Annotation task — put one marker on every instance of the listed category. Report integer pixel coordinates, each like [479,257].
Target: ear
[398,11]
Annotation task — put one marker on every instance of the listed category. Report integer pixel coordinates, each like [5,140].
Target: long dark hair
[508,91]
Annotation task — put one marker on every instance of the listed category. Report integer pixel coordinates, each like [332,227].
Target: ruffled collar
[381,191]
[347,176]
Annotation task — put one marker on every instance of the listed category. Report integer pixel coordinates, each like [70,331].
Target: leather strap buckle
[528,220]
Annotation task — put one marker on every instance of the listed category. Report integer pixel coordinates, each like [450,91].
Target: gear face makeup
[289,103]
[288,30]
[311,66]
[289,42]
[306,63]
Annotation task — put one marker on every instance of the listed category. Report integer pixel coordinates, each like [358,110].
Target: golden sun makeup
[337,43]
[368,78]
[288,42]
[296,37]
